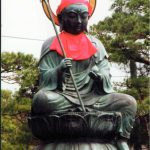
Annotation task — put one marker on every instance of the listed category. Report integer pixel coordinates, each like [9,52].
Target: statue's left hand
[94,73]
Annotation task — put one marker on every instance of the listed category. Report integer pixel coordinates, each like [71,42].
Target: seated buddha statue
[87,58]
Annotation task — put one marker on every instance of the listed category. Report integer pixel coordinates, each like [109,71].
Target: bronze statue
[88,59]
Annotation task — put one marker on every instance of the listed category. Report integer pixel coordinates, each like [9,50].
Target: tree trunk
[133,69]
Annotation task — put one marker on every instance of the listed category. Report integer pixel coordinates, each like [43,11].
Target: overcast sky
[26,19]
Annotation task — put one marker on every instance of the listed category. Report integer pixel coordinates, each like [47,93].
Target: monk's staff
[63,50]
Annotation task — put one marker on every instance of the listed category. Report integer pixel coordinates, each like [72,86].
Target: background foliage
[21,69]
[126,37]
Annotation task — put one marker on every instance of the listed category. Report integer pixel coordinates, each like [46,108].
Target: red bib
[77,47]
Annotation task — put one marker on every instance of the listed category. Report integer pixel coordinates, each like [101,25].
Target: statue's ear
[86,30]
[59,17]
[60,22]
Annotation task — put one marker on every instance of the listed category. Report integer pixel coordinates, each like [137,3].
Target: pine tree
[126,37]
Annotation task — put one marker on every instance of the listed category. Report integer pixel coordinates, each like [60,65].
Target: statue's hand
[65,64]
[94,74]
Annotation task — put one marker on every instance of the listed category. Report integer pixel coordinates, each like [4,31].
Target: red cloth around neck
[77,47]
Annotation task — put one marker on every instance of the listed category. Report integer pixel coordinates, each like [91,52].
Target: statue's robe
[89,89]
[57,93]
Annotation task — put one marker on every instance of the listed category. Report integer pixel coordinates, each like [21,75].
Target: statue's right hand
[65,64]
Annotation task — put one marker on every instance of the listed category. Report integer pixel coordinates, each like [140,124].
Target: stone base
[74,126]
[76,130]
[77,146]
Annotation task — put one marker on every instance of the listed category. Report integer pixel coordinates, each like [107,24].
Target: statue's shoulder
[46,46]
[101,51]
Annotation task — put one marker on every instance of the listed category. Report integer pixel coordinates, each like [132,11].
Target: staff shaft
[64,53]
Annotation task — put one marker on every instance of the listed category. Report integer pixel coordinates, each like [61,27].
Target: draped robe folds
[89,90]
[97,95]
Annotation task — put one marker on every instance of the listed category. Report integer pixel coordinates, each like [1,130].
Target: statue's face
[74,18]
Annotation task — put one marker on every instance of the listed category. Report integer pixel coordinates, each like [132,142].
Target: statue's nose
[79,19]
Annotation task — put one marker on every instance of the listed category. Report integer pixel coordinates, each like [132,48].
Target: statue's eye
[84,15]
[72,15]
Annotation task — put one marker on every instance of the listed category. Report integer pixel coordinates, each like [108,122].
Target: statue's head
[73,15]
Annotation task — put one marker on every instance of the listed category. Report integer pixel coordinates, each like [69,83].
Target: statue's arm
[49,73]
[101,70]
[104,75]
[52,67]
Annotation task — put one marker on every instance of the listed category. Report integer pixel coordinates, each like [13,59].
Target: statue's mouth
[78,28]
